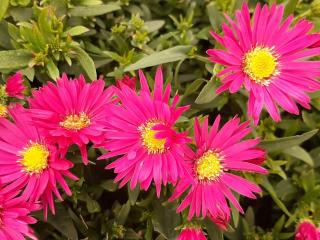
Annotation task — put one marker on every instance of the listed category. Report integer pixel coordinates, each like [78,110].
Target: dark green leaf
[208,93]
[86,62]
[94,10]
[169,55]
[14,59]
[286,142]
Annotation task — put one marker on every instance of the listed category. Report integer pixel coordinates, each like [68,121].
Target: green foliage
[110,39]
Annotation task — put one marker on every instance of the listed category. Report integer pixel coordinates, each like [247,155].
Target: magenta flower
[129,81]
[15,219]
[71,112]
[270,58]
[14,86]
[191,233]
[306,230]
[218,152]
[141,130]
[29,164]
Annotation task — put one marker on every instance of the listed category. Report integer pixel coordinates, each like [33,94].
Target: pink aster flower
[29,164]
[129,81]
[14,86]
[306,230]
[14,217]
[141,129]
[270,58]
[218,152]
[71,112]
[191,234]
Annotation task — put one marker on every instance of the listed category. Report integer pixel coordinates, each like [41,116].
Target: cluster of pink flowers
[139,127]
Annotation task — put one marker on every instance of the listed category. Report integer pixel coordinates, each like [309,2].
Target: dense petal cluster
[306,230]
[14,86]
[218,152]
[191,234]
[270,58]
[71,112]
[141,129]
[29,164]
[15,217]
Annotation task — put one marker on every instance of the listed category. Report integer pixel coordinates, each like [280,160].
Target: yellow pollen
[149,140]
[35,158]
[208,167]
[260,65]
[3,110]
[75,121]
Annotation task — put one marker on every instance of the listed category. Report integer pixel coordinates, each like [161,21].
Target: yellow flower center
[149,140]
[76,121]
[3,110]
[260,65]
[35,158]
[208,167]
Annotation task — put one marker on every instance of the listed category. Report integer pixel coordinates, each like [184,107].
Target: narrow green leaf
[267,185]
[3,8]
[154,25]
[63,223]
[133,195]
[164,220]
[169,55]
[286,142]
[123,213]
[14,59]
[208,93]
[86,62]
[289,7]
[75,31]
[109,185]
[214,15]
[300,153]
[194,86]
[213,231]
[94,10]
[53,70]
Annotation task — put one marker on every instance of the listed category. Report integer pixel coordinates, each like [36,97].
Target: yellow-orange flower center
[208,167]
[3,110]
[35,158]
[260,64]
[149,140]
[76,121]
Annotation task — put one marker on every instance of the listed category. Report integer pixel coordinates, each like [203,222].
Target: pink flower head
[217,153]
[29,164]
[14,217]
[14,86]
[141,129]
[269,58]
[71,112]
[191,234]
[306,230]
[129,81]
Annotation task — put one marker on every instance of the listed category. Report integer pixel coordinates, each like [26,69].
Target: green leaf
[194,86]
[75,31]
[123,213]
[109,185]
[94,10]
[286,142]
[14,59]
[300,153]
[289,7]
[63,223]
[86,62]
[3,8]
[164,220]
[133,195]
[93,206]
[214,15]
[208,93]
[213,231]
[53,70]
[169,55]
[267,185]
[154,25]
